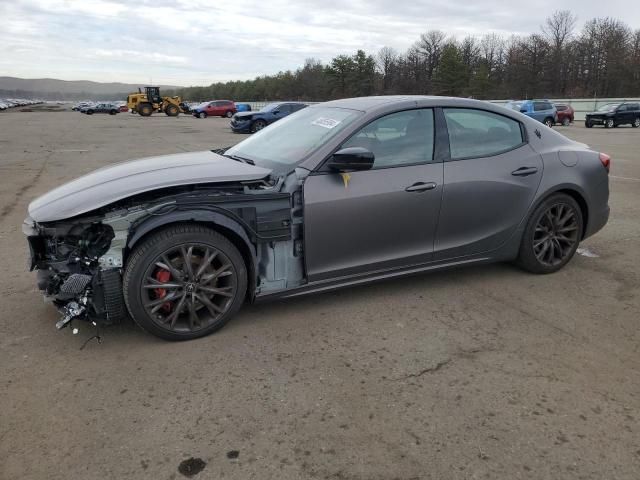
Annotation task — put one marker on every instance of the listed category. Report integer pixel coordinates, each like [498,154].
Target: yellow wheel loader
[144,104]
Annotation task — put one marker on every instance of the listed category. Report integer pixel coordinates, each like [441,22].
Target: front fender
[152,223]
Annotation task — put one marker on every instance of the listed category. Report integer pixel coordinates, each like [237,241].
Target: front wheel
[113,112]
[184,282]
[202,115]
[171,111]
[588,124]
[89,112]
[552,235]
[258,125]
[609,123]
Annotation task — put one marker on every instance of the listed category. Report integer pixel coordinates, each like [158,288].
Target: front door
[490,182]
[379,219]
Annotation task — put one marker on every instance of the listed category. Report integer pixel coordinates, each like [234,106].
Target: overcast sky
[197,42]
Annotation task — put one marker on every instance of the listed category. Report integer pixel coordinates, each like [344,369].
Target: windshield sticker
[325,122]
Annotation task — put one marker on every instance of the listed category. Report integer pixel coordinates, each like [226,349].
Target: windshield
[203,104]
[269,106]
[608,107]
[289,141]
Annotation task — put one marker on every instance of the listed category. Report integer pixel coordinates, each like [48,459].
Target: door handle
[524,171]
[420,187]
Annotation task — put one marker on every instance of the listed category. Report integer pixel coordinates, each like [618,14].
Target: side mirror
[275,112]
[351,159]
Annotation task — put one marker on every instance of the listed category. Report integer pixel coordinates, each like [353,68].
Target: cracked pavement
[484,372]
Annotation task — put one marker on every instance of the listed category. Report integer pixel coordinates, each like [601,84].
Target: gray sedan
[337,194]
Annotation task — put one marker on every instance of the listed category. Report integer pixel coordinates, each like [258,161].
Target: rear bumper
[597,220]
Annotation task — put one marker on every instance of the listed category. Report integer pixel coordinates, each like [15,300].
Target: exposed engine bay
[79,261]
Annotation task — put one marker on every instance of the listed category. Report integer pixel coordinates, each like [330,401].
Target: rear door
[540,111]
[490,180]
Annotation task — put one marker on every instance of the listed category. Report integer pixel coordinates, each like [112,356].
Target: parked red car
[217,108]
[565,114]
[123,108]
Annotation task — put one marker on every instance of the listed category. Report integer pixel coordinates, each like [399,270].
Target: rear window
[561,108]
[478,133]
[539,106]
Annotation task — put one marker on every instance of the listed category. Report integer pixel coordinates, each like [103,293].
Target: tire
[202,115]
[636,122]
[609,123]
[228,114]
[548,122]
[548,242]
[145,109]
[89,112]
[113,112]
[182,314]
[566,122]
[588,124]
[258,125]
[171,111]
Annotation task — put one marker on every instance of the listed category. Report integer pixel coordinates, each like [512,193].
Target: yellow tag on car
[345,178]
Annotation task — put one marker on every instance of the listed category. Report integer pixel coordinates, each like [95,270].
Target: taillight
[606,161]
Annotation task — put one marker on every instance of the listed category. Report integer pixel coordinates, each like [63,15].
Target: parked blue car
[243,107]
[251,122]
[542,110]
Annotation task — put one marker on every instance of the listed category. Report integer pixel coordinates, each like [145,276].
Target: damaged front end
[77,269]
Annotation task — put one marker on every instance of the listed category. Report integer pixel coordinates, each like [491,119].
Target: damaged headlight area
[68,257]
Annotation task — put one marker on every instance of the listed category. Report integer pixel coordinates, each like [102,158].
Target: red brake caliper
[163,276]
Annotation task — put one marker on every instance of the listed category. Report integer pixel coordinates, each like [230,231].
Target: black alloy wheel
[258,125]
[184,282]
[552,235]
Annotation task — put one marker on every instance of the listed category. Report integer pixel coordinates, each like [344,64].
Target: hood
[122,180]
[244,114]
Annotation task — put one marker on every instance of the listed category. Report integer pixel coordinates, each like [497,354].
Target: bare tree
[430,48]
[386,62]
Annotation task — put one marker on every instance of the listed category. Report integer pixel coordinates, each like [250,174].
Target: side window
[284,108]
[478,133]
[402,138]
[539,106]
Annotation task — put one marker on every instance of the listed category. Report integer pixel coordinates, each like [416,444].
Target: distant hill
[52,89]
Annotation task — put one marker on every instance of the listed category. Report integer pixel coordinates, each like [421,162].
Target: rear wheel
[145,109]
[566,122]
[636,123]
[258,125]
[548,122]
[588,124]
[89,112]
[113,112]
[171,110]
[552,235]
[184,282]
[202,115]
[229,114]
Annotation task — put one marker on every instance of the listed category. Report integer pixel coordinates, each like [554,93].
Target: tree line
[602,59]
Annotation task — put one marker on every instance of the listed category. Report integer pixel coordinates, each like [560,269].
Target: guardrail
[580,105]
